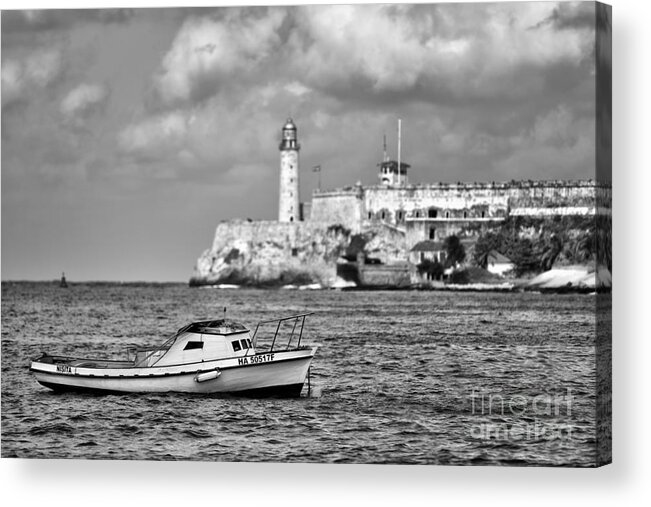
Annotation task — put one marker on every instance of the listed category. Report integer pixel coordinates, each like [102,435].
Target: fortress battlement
[334,192]
[493,185]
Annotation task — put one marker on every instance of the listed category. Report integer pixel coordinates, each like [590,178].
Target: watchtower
[393,175]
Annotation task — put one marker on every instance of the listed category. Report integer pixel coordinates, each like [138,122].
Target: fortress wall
[415,232]
[465,195]
[384,276]
[239,232]
[343,207]
[443,198]
[556,195]
[567,210]
[352,206]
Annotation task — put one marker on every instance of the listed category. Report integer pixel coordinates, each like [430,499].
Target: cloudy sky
[128,134]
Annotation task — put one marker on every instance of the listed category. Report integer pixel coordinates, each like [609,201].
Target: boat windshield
[153,355]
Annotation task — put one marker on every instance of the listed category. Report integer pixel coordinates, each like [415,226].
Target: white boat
[212,356]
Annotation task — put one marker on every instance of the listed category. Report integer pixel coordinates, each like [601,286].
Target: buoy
[207,375]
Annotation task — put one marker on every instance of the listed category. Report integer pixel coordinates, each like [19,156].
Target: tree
[535,244]
[584,247]
[550,251]
[455,253]
[484,246]
[521,252]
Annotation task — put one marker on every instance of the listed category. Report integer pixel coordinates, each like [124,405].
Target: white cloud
[241,126]
[208,51]
[449,49]
[474,82]
[345,42]
[297,88]
[157,136]
[83,100]
[22,77]
[11,81]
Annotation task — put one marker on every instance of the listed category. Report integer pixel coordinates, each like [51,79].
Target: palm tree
[551,251]
[483,247]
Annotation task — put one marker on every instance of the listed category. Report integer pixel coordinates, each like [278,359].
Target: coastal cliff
[272,254]
[268,254]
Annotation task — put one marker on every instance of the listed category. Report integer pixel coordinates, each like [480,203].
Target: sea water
[399,377]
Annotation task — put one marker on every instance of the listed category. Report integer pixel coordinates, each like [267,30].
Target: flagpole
[399,142]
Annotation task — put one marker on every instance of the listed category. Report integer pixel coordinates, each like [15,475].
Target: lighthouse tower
[288,202]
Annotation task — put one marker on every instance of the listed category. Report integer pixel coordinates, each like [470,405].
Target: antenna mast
[399,144]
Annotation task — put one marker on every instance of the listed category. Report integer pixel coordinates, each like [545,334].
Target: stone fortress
[396,218]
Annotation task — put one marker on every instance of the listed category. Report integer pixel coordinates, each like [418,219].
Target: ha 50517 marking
[262,358]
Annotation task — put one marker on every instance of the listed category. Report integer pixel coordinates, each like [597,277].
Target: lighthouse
[288,202]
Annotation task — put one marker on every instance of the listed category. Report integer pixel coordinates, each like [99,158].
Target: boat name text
[263,358]
[64,368]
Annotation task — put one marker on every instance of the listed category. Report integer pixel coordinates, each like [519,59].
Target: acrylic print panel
[399,218]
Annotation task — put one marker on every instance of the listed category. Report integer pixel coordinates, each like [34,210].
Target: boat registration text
[262,358]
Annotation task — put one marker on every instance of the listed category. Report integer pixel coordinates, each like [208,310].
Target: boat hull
[278,374]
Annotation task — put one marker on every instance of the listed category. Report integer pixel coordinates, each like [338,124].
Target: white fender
[207,375]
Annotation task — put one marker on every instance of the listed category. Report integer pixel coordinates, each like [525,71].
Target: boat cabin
[200,341]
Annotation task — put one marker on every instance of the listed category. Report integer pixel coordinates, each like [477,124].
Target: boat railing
[296,318]
[52,359]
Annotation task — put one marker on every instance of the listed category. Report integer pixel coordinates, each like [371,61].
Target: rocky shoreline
[563,280]
[310,255]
